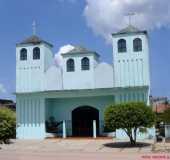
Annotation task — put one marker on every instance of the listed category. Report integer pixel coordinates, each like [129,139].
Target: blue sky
[64,22]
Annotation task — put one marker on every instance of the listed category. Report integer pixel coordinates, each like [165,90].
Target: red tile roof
[160,108]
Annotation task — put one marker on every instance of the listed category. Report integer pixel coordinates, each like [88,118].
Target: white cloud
[107,16]
[62,50]
[2,89]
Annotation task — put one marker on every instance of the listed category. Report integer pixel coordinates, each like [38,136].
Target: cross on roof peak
[130,15]
[34,27]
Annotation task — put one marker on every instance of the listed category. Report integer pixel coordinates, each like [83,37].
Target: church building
[71,100]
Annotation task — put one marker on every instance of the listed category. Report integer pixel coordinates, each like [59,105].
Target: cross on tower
[34,27]
[130,15]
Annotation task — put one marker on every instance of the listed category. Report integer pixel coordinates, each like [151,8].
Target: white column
[64,129]
[94,128]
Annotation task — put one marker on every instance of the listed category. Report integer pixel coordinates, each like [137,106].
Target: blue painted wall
[30,113]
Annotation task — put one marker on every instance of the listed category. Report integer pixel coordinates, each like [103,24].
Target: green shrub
[129,117]
[166,116]
[7,124]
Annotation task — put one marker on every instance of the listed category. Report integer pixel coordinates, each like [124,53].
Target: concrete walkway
[76,149]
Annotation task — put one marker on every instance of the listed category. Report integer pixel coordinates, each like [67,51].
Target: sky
[88,23]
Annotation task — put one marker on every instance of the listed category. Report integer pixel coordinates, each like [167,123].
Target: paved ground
[77,149]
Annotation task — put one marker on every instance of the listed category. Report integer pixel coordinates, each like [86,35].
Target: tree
[166,116]
[130,117]
[7,124]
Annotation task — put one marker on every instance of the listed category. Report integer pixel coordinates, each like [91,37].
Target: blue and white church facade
[78,93]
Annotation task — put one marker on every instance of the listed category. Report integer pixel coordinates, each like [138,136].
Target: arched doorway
[82,121]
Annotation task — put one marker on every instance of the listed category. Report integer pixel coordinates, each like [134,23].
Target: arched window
[122,46]
[36,53]
[137,45]
[85,64]
[70,65]
[23,54]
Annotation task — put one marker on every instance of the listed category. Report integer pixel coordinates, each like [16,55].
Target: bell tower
[33,57]
[131,58]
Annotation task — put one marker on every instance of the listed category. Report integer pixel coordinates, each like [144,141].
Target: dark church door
[82,121]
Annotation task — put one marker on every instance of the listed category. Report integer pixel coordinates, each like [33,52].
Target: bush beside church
[7,124]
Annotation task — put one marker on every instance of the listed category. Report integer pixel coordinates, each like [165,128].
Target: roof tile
[34,40]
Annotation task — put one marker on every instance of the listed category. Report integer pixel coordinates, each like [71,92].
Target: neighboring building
[82,88]
[7,103]
[159,104]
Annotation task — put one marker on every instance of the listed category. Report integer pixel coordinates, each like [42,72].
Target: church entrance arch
[82,121]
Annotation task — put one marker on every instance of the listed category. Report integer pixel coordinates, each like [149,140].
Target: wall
[135,94]
[167,131]
[103,76]
[30,112]
[53,79]
[150,134]
[48,56]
